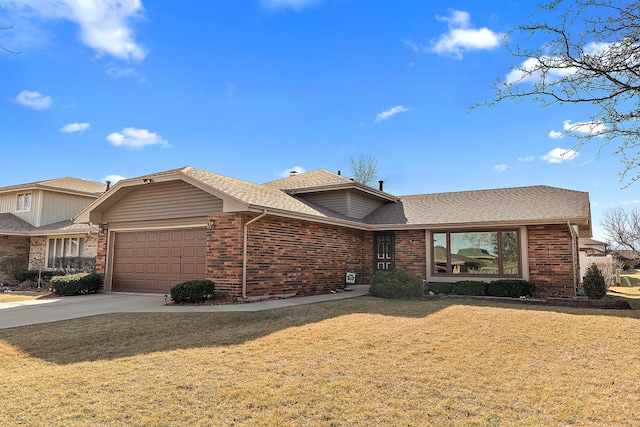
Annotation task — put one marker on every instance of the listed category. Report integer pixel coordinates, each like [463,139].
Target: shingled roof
[535,204]
[66,184]
[11,224]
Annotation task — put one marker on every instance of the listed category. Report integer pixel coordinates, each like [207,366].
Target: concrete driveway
[22,313]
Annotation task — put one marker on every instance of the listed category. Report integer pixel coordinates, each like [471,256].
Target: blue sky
[255,88]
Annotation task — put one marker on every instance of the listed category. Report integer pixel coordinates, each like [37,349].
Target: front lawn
[14,297]
[361,361]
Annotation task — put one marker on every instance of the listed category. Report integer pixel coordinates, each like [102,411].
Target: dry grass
[14,297]
[361,361]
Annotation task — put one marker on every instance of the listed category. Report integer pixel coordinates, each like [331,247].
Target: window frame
[62,248]
[449,273]
[24,199]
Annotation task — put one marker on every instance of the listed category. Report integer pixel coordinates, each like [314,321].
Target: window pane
[20,206]
[439,253]
[474,253]
[80,246]
[51,252]
[27,202]
[510,252]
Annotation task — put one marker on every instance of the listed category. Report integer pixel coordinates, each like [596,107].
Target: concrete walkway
[31,312]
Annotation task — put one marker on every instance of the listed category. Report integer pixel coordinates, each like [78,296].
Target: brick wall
[38,253]
[284,256]
[101,252]
[551,260]
[14,253]
[411,252]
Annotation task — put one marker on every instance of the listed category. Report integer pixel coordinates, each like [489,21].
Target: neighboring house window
[486,253]
[24,202]
[62,251]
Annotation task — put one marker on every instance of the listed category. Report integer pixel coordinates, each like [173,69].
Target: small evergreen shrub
[397,285]
[440,288]
[595,286]
[470,287]
[22,275]
[192,291]
[513,288]
[75,284]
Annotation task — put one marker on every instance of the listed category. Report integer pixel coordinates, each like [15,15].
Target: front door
[384,251]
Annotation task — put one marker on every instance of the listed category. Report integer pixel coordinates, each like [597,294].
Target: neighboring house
[36,229]
[627,257]
[301,235]
[591,247]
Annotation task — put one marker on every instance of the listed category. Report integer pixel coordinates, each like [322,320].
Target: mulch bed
[605,303]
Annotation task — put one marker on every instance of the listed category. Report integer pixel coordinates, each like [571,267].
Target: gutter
[573,255]
[244,253]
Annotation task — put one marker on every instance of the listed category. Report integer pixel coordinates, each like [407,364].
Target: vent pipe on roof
[108,185]
[339,173]
[381,185]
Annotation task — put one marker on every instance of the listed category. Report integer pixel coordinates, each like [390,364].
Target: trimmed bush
[470,287]
[513,288]
[397,285]
[193,291]
[75,284]
[595,286]
[440,288]
[22,275]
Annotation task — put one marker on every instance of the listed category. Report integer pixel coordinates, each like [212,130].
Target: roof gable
[66,185]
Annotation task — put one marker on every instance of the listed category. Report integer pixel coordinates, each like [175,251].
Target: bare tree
[364,170]
[623,227]
[588,53]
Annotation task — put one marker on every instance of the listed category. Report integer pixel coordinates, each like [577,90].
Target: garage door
[154,261]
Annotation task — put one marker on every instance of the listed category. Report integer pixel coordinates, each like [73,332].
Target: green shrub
[75,284]
[440,288]
[469,287]
[192,291]
[22,275]
[595,286]
[512,288]
[397,285]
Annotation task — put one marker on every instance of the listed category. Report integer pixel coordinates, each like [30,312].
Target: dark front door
[383,251]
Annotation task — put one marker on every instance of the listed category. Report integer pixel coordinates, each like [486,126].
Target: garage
[154,261]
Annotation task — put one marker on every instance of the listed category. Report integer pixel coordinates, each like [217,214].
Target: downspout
[573,256]
[244,254]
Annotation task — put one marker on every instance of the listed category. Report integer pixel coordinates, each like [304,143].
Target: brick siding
[14,252]
[411,252]
[551,260]
[283,256]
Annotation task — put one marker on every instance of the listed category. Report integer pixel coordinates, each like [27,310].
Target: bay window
[473,253]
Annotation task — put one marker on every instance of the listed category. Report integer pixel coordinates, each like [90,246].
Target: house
[626,257]
[36,230]
[591,247]
[302,234]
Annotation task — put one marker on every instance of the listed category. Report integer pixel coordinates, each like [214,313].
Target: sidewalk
[22,313]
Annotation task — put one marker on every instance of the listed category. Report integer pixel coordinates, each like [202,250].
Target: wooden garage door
[154,261]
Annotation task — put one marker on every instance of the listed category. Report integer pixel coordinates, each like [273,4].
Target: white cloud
[105,25]
[461,37]
[289,172]
[585,128]
[500,168]
[528,71]
[136,138]
[559,155]
[119,72]
[390,112]
[75,127]
[526,159]
[293,4]
[555,134]
[113,178]
[595,129]
[33,99]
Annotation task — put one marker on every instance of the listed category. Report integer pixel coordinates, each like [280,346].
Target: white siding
[60,207]
[163,200]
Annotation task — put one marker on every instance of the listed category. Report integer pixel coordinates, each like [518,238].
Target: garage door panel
[154,261]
